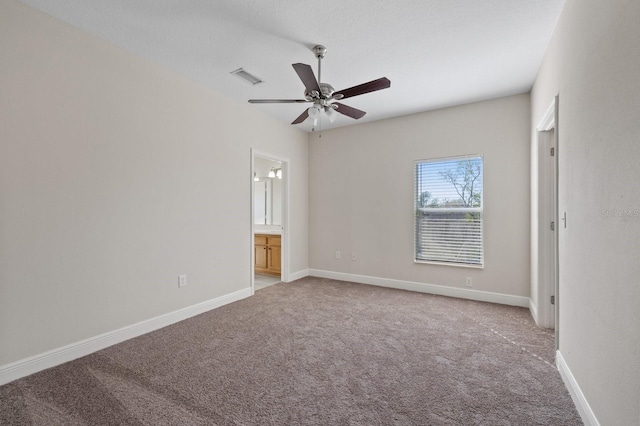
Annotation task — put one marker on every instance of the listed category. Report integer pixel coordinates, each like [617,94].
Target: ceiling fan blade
[372,86]
[301,117]
[308,78]
[277,101]
[349,111]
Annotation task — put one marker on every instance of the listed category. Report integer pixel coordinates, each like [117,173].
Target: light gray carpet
[313,352]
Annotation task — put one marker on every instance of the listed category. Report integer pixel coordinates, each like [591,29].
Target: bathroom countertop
[267,231]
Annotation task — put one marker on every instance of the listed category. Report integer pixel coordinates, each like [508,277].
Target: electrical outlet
[337,254]
[354,257]
[182,280]
[469,282]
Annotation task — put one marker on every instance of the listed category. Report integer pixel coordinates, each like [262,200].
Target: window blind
[448,211]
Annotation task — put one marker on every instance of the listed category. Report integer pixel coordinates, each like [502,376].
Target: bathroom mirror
[267,192]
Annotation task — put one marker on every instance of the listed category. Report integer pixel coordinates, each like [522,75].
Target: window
[448,211]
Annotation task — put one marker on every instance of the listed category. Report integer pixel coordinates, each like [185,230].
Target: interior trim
[462,293]
[534,310]
[298,275]
[580,401]
[27,366]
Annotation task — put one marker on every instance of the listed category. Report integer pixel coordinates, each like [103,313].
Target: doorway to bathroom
[268,207]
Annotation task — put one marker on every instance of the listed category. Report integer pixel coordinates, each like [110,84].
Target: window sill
[459,265]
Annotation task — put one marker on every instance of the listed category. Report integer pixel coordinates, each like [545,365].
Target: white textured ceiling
[436,53]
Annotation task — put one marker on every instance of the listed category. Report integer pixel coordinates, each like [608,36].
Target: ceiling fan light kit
[323,95]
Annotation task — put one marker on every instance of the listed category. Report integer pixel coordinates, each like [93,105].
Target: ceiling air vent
[245,76]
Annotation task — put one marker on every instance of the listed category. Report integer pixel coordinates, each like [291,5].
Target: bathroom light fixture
[275,173]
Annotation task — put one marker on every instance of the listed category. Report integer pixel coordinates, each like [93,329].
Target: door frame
[548,196]
[284,228]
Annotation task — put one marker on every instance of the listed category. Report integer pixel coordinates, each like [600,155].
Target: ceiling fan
[323,95]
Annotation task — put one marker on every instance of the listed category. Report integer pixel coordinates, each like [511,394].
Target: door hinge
[553,151]
[553,300]
[553,226]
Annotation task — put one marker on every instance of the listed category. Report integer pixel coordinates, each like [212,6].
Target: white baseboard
[462,293]
[534,311]
[299,274]
[25,367]
[582,405]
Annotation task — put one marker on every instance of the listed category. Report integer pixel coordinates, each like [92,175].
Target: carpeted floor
[313,352]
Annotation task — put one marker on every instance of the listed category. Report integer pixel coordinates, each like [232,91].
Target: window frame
[416,213]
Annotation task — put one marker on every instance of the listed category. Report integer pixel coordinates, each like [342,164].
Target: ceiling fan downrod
[319,51]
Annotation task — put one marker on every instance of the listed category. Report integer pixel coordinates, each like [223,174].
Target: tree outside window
[449,211]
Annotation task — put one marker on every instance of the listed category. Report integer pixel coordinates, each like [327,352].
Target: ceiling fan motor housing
[326,92]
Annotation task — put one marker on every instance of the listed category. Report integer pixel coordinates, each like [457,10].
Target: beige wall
[361,186]
[593,64]
[117,175]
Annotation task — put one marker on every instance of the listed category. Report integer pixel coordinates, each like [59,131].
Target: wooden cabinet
[260,250]
[267,249]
